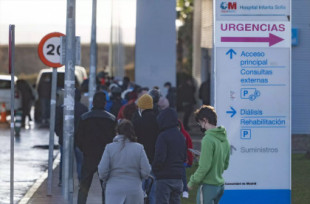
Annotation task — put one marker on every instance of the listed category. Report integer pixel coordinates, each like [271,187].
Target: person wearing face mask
[214,158]
[147,130]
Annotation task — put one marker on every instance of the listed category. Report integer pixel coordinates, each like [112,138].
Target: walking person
[95,130]
[189,158]
[44,92]
[155,95]
[27,99]
[214,158]
[123,166]
[170,155]
[171,94]
[187,96]
[147,130]
[204,92]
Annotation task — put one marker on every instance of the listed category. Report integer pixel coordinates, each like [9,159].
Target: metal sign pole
[11,69]
[93,57]
[68,126]
[52,129]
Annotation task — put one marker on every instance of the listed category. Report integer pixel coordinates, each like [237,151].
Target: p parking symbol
[245,134]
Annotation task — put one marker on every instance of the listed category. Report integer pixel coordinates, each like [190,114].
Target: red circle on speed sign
[49,49]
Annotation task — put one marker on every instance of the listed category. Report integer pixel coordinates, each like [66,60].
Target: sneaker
[185,194]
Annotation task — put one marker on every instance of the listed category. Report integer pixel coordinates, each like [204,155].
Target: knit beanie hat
[163,103]
[145,102]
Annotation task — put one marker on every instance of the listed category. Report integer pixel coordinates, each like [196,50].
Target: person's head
[99,100]
[142,91]
[155,95]
[206,117]
[116,92]
[145,102]
[163,103]
[167,85]
[126,128]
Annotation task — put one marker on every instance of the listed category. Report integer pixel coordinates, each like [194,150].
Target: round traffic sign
[49,49]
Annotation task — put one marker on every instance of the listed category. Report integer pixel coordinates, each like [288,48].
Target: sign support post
[52,128]
[49,53]
[12,72]
[68,126]
[93,57]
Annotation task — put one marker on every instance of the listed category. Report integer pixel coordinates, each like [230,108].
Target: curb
[33,189]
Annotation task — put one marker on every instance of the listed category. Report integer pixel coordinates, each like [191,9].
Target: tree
[185,35]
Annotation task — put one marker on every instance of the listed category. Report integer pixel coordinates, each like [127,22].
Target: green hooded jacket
[214,158]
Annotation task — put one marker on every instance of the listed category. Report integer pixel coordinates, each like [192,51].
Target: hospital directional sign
[252,62]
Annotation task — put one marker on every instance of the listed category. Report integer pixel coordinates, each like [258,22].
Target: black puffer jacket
[146,129]
[170,152]
[95,130]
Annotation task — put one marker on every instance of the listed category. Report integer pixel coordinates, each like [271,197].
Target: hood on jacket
[218,132]
[167,118]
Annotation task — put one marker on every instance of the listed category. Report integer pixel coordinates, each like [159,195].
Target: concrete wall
[155,42]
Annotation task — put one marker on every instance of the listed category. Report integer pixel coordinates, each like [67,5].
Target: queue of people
[133,139]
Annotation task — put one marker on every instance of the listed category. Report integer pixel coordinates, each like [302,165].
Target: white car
[5,93]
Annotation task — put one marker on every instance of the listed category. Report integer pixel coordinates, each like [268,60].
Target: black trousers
[89,167]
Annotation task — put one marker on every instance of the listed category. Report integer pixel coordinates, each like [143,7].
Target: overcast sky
[35,18]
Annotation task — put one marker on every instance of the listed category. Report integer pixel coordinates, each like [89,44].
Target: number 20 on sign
[49,49]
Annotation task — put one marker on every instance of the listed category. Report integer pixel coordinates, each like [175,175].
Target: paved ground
[38,194]
[29,164]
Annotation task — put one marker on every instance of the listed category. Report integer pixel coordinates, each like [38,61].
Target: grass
[192,193]
[300,181]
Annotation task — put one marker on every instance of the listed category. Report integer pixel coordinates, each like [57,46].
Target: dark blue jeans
[168,191]
[184,179]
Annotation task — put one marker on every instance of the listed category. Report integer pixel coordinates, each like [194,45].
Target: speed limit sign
[49,49]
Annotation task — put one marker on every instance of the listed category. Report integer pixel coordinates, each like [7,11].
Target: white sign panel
[253,103]
[253,98]
[270,10]
[51,49]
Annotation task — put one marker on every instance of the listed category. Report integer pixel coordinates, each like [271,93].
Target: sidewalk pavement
[38,192]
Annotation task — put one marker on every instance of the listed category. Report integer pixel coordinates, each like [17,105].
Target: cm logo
[229,5]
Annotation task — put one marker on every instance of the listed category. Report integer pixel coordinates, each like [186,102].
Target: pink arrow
[272,39]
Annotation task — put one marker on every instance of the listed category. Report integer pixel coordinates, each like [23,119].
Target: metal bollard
[18,122]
